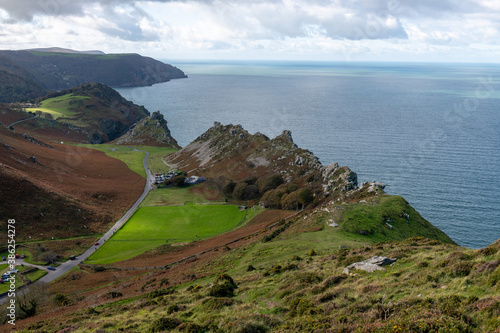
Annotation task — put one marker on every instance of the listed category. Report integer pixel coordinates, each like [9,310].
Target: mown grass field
[151,227]
[177,196]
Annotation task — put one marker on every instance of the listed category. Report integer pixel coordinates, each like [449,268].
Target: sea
[429,131]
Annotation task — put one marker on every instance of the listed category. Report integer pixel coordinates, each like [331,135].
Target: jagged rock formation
[228,152]
[150,131]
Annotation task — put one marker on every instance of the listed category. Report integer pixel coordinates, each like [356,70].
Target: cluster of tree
[272,190]
[179,180]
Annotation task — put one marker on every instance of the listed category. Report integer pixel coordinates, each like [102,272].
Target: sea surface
[431,132]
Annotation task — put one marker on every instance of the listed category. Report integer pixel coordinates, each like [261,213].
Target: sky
[324,30]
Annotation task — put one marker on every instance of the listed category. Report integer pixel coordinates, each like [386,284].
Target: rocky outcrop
[338,179]
[370,265]
[151,131]
[231,153]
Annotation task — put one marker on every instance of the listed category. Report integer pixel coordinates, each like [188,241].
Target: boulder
[370,265]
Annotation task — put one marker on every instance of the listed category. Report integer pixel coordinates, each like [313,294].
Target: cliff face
[41,71]
[150,131]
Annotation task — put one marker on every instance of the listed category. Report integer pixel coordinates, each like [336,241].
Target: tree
[239,191]
[270,183]
[28,300]
[305,196]
[229,188]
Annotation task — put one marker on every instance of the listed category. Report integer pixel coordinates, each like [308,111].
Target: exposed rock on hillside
[151,131]
[231,153]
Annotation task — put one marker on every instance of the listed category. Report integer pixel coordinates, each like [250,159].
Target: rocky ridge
[151,131]
[229,152]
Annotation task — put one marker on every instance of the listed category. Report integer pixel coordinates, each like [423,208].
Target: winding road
[68,265]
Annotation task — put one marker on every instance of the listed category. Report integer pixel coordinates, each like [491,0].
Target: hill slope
[54,190]
[149,131]
[100,112]
[63,70]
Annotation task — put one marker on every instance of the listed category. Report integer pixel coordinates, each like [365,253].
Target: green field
[173,196]
[61,106]
[38,274]
[151,227]
[155,159]
[133,158]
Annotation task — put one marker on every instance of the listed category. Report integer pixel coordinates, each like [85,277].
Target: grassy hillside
[98,111]
[266,287]
[60,70]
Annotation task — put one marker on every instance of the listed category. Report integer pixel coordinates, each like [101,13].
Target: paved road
[66,266]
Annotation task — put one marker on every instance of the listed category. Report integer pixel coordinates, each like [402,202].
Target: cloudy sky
[340,30]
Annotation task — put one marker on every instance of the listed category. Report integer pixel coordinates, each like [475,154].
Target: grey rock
[370,265]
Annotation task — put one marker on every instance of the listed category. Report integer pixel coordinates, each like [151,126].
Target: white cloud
[319,29]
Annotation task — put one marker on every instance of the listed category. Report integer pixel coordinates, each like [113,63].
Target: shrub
[217,303]
[461,269]
[160,292]
[494,277]
[224,286]
[308,277]
[172,308]
[61,300]
[221,290]
[334,280]
[225,278]
[250,268]
[114,294]
[163,324]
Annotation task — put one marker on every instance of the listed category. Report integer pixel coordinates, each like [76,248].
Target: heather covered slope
[291,282]
[56,190]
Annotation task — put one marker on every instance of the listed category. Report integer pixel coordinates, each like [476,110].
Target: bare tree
[30,298]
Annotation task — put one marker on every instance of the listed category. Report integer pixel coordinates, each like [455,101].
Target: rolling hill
[35,72]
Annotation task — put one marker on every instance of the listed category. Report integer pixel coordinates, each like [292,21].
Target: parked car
[72,257]
[17,255]
[22,256]
[5,277]
[51,268]
[96,243]
[13,271]
[3,258]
